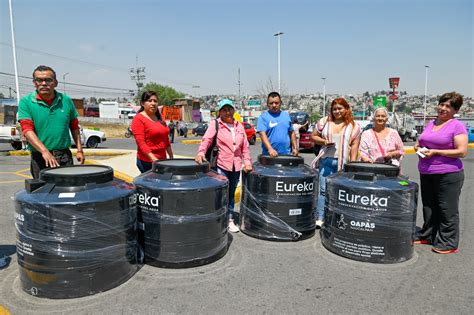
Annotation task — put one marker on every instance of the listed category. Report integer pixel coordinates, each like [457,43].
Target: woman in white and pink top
[233,148]
[381,143]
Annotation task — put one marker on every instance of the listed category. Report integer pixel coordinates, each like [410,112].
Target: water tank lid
[388,170]
[78,175]
[180,167]
[283,160]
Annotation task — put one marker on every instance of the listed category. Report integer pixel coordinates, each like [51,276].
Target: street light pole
[424,99]
[279,74]
[15,66]
[64,82]
[324,96]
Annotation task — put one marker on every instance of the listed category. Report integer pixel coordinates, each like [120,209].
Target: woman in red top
[151,133]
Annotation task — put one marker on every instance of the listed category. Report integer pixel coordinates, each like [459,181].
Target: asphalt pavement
[262,277]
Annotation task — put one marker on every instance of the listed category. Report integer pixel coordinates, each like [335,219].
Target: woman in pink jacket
[233,148]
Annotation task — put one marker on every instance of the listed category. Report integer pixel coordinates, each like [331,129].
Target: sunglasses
[45,80]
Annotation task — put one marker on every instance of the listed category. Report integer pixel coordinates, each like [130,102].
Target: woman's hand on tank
[367,159]
[294,152]
[273,153]
[199,159]
[248,168]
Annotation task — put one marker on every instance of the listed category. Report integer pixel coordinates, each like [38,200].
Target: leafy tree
[315,117]
[1,95]
[166,94]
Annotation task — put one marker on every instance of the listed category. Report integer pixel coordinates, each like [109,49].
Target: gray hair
[378,109]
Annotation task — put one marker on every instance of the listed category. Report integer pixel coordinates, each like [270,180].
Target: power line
[65,58]
[166,81]
[75,84]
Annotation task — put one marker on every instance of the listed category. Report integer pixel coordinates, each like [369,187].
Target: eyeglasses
[45,80]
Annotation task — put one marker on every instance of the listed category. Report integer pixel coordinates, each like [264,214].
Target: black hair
[455,99]
[273,94]
[42,68]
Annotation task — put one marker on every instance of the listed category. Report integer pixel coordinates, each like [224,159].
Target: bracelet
[79,151]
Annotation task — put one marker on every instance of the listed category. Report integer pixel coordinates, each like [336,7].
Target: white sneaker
[319,223]
[232,227]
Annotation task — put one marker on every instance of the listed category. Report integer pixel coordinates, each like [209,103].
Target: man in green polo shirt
[46,116]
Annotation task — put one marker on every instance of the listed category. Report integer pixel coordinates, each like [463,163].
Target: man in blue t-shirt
[276,130]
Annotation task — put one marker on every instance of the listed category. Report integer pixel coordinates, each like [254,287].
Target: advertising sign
[254,103]
[380,101]
[394,82]
[171,113]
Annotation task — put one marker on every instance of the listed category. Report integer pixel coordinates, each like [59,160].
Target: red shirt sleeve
[138,129]
[74,124]
[27,125]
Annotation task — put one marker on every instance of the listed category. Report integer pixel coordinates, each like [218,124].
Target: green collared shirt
[51,122]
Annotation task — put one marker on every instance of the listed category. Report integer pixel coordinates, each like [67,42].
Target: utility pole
[424,99]
[239,84]
[324,96]
[64,82]
[17,84]
[138,75]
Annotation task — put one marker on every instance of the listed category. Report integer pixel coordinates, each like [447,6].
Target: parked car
[250,132]
[470,134]
[91,111]
[10,134]
[132,114]
[90,138]
[200,129]
[306,143]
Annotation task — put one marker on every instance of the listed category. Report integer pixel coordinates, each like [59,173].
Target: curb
[129,179]
[4,311]
[86,153]
[117,174]
[197,141]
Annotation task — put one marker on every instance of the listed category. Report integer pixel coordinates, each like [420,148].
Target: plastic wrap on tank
[75,237]
[370,217]
[279,199]
[182,210]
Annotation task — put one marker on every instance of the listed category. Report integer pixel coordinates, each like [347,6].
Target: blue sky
[356,44]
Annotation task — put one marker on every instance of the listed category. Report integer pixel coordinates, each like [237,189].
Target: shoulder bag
[212,151]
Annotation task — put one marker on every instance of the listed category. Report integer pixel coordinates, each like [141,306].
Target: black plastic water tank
[370,216]
[279,199]
[76,232]
[182,209]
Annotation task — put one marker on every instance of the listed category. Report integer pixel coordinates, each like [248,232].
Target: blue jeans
[233,178]
[327,166]
[144,166]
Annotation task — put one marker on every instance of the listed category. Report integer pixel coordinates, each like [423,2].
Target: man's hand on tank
[80,157]
[49,159]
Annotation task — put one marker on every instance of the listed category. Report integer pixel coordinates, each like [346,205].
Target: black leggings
[440,196]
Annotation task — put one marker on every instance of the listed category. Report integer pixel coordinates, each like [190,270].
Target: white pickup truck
[9,134]
[89,138]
